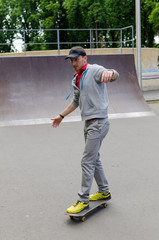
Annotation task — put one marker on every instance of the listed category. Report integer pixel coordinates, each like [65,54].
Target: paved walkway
[40,176]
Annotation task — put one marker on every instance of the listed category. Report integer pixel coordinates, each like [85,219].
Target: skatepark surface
[40,176]
[40,172]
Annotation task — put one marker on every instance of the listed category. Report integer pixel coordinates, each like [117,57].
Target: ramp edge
[39,121]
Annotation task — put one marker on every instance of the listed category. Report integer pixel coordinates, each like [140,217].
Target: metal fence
[94,38]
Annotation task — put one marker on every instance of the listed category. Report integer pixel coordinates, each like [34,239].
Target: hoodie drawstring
[83,78]
[69,94]
[81,85]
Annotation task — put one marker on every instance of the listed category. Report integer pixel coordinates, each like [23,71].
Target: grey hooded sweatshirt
[92,97]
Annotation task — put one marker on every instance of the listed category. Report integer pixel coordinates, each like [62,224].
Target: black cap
[76,53]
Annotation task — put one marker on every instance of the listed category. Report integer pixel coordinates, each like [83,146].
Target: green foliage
[53,16]
[27,16]
[94,12]
[146,26]
[154,17]
[75,14]
[6,37]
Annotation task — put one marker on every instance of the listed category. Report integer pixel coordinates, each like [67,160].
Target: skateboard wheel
[71,217]
[104,205]
[83,219]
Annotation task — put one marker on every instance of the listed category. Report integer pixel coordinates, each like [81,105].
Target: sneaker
[100,196]
[77,207]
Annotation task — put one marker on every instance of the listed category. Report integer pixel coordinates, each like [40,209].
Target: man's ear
[85,57]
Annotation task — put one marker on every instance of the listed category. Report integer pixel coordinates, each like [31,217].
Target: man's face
[78,63]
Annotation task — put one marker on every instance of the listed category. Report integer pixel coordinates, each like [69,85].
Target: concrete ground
[151,95]
[40,177]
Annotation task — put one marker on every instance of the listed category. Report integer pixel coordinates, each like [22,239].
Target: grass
[152,101]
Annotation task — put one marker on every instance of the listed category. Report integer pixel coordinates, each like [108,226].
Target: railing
[93,39]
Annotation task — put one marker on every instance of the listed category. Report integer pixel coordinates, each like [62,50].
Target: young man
[90,94]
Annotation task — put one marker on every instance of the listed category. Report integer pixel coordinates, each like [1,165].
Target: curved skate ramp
[34,89]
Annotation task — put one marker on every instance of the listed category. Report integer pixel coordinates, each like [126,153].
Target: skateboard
[92,206]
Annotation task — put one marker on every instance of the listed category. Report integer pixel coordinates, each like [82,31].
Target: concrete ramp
[34,89]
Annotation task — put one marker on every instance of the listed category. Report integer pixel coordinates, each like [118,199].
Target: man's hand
[106,76]
[56,121]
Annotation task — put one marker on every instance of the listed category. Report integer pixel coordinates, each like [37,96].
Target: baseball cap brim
[75,54]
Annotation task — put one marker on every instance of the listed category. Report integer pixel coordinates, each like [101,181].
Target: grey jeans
[94,133]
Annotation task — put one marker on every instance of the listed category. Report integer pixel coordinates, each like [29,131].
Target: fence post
[24,42]
[121,40]
[90,35]
[58,41]
[132,38]
[138,42]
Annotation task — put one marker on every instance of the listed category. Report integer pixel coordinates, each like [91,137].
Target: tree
[154,16]
[6,22]
[53,17]
[101,14]
[95,17]
[75,14]
[147,32]
[27,17]
[120,14]
[76,20]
